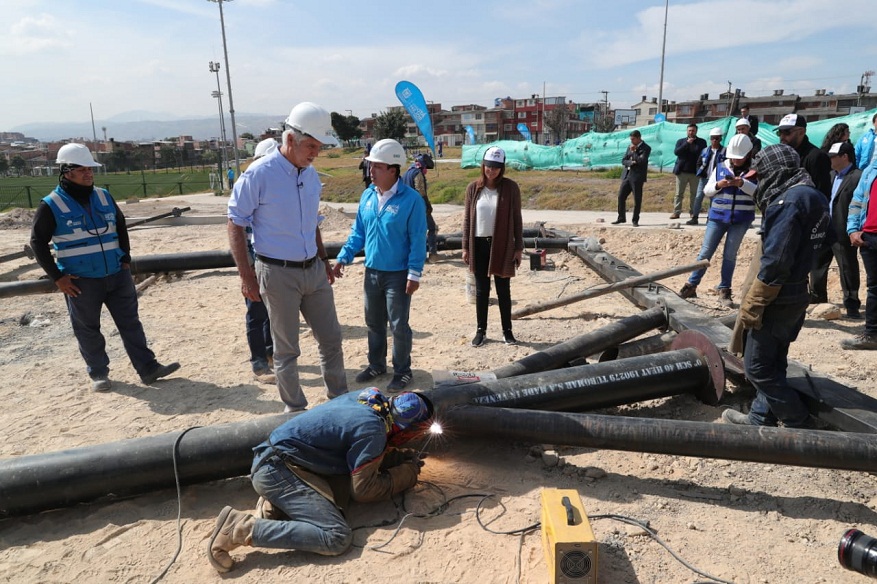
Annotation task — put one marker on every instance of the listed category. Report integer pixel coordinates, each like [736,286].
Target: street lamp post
[223,155]
[234,132]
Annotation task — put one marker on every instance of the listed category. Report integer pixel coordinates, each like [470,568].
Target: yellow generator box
[570,549]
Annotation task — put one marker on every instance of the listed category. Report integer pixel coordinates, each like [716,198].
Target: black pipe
[30,484]
[587,344]
[175,212]
[597,385]
[810,448]
[541,243]
[646,346]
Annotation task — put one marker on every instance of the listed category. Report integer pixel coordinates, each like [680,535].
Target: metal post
[223,154]
[234,132]
[663,52]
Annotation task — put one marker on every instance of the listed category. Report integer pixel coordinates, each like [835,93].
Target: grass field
[28,191]
[540,189]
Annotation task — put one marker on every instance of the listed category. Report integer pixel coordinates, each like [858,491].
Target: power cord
[179,506]
[522,531]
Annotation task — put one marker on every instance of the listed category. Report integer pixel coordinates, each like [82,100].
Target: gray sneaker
[863,342]
[101,384]
[730,416]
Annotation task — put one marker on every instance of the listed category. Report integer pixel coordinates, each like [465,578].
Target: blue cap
[408,409]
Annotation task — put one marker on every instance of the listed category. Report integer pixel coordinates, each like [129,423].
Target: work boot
[159,372]
[730,416]
[692,221]
[233,529]
[266,510]
[688,291]
[725,297]
[674,216]
[863,342]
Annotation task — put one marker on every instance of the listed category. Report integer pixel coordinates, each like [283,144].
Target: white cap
[716,132]
[742,122]
[494,156]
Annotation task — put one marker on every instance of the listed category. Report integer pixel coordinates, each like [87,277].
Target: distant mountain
[154,129]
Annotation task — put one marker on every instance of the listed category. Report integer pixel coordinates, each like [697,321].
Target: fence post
[29,201]
[144,185]
[180,185]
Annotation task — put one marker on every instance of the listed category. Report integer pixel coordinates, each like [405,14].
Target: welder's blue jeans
[315,524]
[766,359]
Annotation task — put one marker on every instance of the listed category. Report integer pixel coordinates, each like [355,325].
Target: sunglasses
[715,137]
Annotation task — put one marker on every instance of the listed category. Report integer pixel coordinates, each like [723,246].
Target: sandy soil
[742,522]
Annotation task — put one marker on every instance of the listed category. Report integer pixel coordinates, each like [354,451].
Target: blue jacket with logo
[86,242]
[794,226]
[394,238]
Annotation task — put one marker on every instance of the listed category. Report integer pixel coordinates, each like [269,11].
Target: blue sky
[152,55]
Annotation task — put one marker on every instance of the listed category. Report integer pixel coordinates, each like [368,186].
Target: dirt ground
[740,522]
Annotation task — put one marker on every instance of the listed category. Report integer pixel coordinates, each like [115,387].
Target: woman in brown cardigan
[493,240]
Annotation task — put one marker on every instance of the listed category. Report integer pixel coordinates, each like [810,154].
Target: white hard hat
[77,154]
[265,147]
[742,122]
[738,147]
[313,120]
[387,151]
[716,132]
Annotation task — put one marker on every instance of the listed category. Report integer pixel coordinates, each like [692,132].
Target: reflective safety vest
[731,205]
[86,242]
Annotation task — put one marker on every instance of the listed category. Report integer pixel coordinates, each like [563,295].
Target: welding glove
[738,337]
[396,456]
[404,476]
[759,296]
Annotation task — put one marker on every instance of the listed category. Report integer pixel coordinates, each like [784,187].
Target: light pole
[223,155]
[663,51]
[234,132]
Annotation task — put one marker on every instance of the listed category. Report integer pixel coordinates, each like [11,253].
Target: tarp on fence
[598,150]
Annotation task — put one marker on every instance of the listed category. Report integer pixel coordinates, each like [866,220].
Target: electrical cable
[179,506]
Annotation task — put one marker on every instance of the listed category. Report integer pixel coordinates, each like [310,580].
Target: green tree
[167,157]
[19,163]
[605,122]
[4,165]
[390,125]
[209,157]
[347,127]
[247,136]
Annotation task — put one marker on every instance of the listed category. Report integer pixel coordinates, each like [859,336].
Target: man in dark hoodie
[794,225]
[90,239]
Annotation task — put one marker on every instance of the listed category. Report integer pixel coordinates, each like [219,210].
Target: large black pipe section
[588,344]
[30,484]
[810,448]
[204,260]
[693,366]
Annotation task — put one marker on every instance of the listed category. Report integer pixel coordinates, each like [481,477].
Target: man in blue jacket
[88,232]
[313,465]
[794,225]
[391,226]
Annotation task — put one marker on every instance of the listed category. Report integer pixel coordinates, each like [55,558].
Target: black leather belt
[487,239]
[287,263]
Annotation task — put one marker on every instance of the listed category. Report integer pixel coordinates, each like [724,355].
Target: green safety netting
[597,150]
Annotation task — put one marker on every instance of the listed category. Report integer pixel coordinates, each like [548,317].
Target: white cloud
[31,34]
